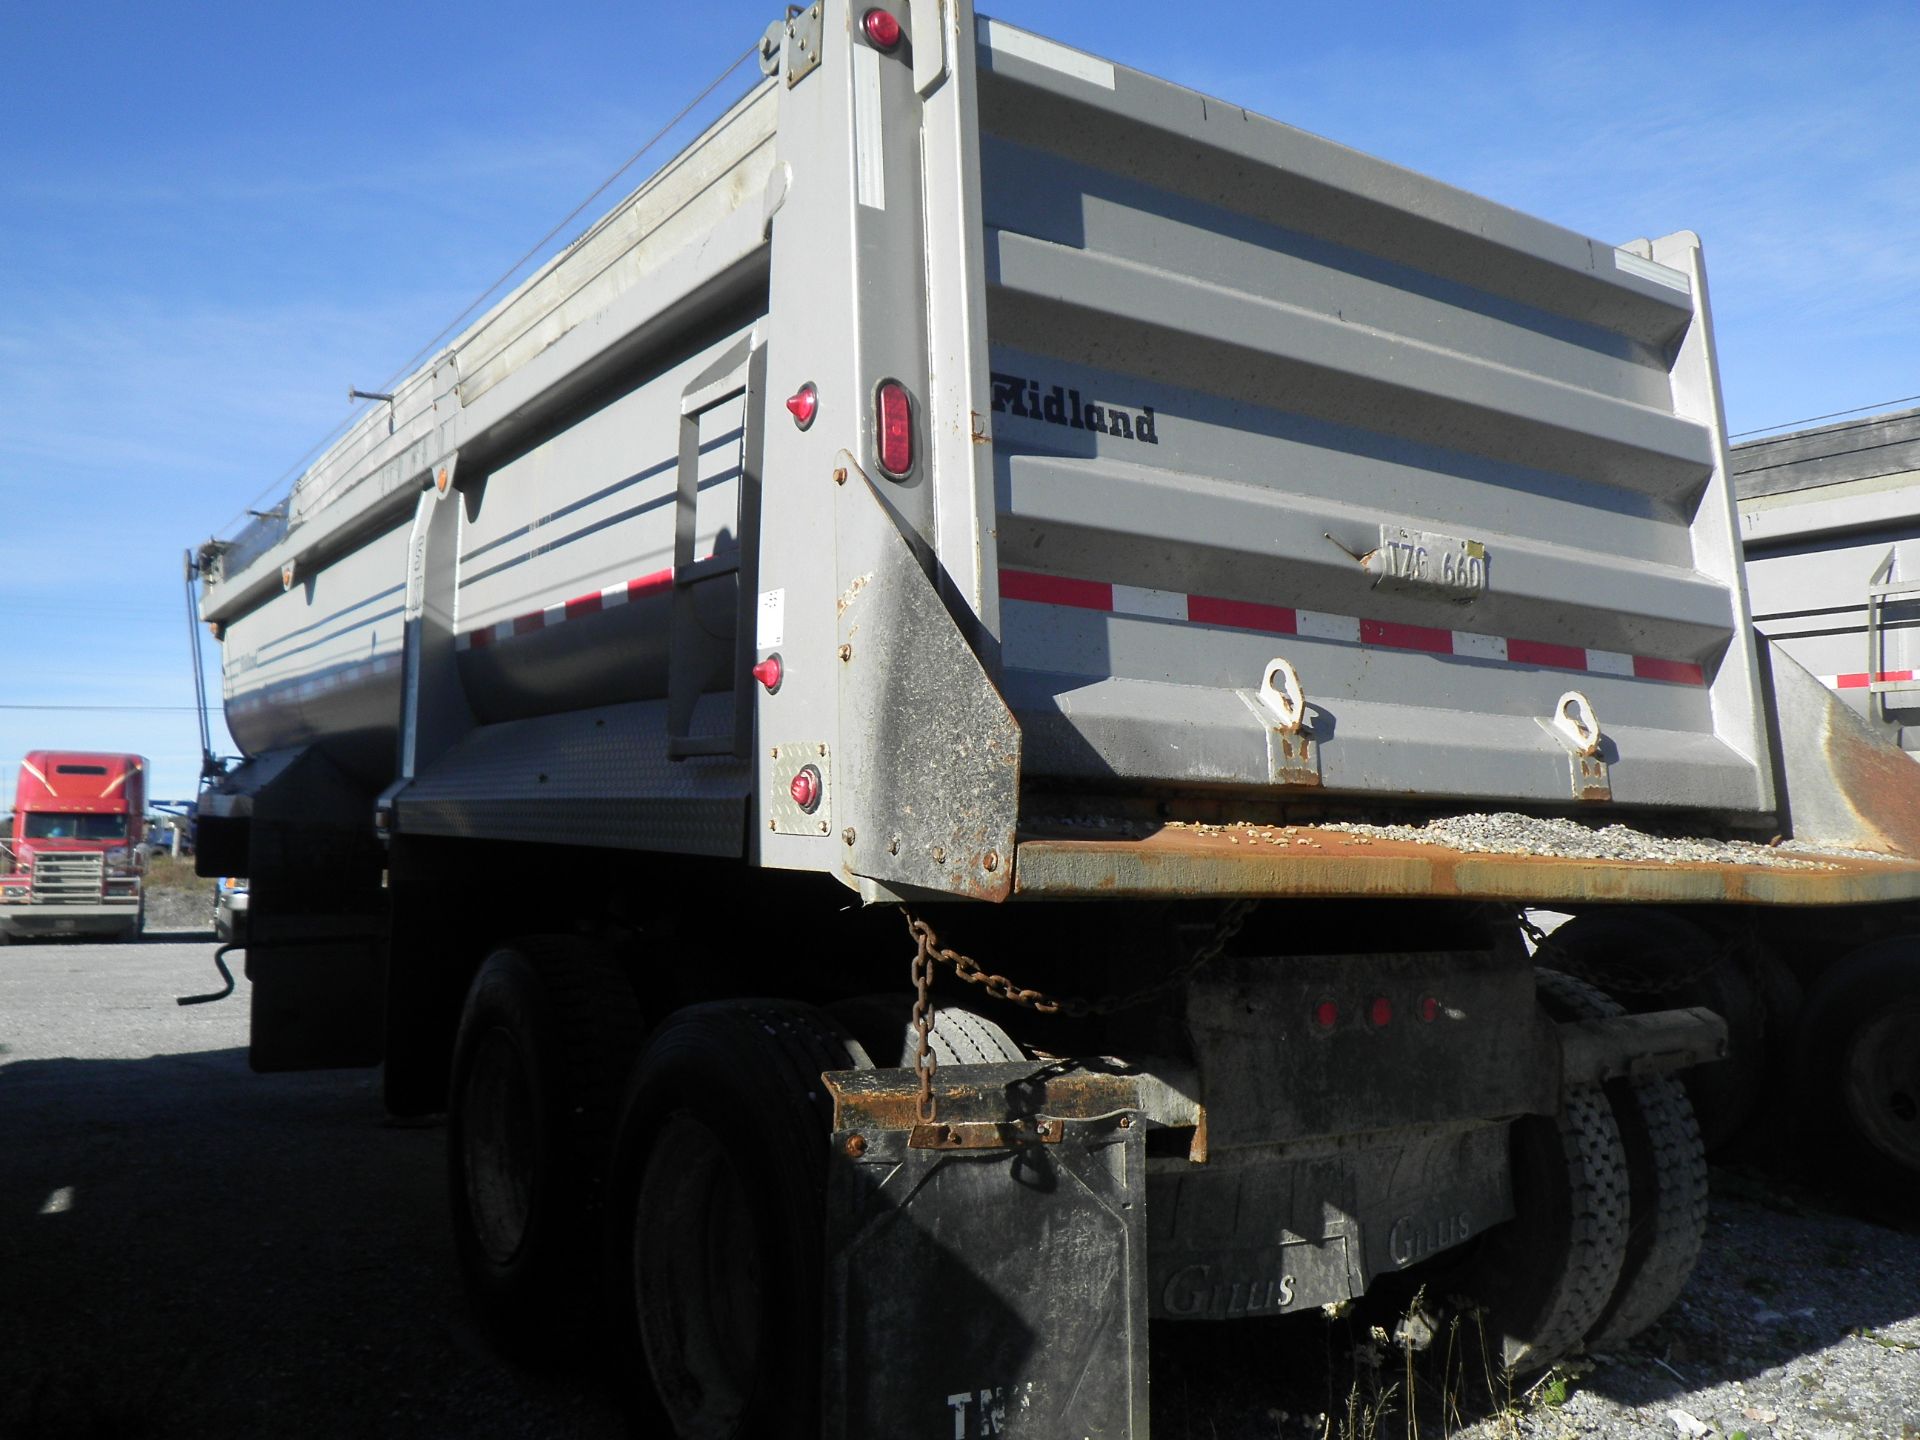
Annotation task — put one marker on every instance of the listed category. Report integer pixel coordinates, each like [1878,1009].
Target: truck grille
[68,879]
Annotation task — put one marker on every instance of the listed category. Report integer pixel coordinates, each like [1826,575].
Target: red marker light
[1429,1009]
[1326,1014]
[882,29]
[769,672]
[1380,1011]
[803,405]
[893,423]
[805,789]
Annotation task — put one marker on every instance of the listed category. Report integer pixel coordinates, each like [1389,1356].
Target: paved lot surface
[188,1249]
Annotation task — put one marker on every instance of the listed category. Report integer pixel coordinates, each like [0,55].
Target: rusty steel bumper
[1308,862]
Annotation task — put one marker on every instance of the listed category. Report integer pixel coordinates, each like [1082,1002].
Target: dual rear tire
[688,1190]
[546,1040]
[1610,1209]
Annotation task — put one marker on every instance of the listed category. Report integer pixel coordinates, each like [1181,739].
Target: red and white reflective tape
[1861,679]
[1212,610]
[591,603]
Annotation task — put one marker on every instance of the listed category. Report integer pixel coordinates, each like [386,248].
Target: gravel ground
[192,1250]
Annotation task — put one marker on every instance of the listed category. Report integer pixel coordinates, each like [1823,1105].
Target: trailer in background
[1824,1008]
[1211,580]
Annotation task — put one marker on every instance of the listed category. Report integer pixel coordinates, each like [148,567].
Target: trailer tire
[716,1267]
[1666,1177]
[546,1040]
[1858,1061]
[882,1024]
[1632,955]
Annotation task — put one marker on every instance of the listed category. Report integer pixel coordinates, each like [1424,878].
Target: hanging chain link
[923,1061]
[928,951]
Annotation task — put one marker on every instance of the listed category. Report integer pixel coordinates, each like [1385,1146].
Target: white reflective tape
[553,614]
[1005,40]
[869,140]
[1609,662]
[1158,604]
[1318,625]
[614,595]
[1480,647]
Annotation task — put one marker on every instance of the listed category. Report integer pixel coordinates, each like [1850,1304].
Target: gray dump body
[1831,522]
[1192,393]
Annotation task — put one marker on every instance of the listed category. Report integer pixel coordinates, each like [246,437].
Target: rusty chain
[923,1061]
[928,951]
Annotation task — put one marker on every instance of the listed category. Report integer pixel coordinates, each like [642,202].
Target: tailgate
[1258,396]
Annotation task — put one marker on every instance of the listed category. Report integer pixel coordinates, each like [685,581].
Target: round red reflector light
[1326,1014]
[769,673]
[893,425]
[882,29]
[1429,1009]
[803,405]
[805,789]
[1380,1012]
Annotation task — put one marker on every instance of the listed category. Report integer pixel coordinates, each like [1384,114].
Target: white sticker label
[769,629]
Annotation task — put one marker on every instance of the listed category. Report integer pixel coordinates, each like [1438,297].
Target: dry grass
[166,873]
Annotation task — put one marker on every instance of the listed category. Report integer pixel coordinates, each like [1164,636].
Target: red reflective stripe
[1055,590]
[1242,615]
[1680,672]
[527,624]
[1406,637]
[1852,682]
[1538,652]
[649,584]
[583,605]
[478,638]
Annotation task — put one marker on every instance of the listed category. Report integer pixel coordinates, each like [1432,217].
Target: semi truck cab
[72,864]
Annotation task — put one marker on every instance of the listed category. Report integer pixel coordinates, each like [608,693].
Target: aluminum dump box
[1242,465]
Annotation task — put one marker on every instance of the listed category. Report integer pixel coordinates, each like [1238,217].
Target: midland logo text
[1058,406]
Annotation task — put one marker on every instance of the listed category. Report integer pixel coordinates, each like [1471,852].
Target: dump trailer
[936,741]
[1830,521]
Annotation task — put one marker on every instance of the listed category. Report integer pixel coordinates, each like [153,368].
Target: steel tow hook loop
[1575,718]
[1280,692]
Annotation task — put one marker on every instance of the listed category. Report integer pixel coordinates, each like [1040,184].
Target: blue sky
[215,217]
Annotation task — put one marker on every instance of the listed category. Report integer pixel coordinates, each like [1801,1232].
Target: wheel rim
[1883,1083]
[498,1147]
[696,1279]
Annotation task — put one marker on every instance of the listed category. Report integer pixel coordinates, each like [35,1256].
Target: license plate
[1448,566]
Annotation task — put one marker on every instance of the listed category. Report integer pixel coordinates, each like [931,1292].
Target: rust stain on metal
[868,1100]
[1879,781]
[983,1135]
[1303,861]
[850,594]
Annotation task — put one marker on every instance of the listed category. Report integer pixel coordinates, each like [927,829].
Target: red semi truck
[71,862]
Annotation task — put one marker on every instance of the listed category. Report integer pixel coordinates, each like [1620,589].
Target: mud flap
[986,1275]
[316,1007]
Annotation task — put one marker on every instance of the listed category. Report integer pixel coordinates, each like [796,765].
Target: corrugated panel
[1226,354]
